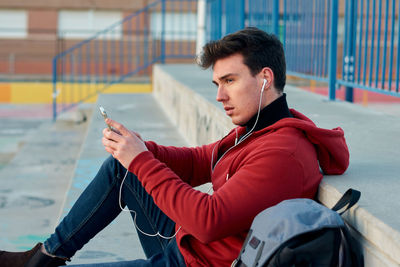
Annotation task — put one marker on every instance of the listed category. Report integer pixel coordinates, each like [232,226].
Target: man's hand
[122,144]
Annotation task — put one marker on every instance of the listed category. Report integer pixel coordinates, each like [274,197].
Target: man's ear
[268,74]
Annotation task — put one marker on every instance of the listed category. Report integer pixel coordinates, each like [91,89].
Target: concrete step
[13,133]
[33,183]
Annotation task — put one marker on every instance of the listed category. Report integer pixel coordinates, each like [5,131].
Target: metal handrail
[103,60]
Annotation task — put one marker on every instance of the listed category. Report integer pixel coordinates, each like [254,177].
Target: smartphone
[104,114]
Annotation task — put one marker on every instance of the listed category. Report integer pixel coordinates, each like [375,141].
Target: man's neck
[273,112]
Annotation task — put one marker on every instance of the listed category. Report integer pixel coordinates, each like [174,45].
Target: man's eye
[229,80]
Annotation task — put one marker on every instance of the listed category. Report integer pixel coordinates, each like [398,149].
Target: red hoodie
[273,164]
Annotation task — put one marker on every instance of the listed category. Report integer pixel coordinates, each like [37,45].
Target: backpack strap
[350,198]
[237,262]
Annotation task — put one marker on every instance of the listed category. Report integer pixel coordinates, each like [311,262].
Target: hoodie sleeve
[191,165]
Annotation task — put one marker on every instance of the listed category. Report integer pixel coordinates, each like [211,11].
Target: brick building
[33,32]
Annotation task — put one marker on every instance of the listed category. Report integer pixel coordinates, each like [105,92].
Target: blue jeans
[98,206]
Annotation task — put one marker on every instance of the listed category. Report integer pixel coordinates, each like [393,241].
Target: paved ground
[40,157]
[12,136]
[17,121]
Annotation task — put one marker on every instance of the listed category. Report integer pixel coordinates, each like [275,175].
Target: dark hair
[258,48]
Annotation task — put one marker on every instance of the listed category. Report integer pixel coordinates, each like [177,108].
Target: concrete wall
[187,96]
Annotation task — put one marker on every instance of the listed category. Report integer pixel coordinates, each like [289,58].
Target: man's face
[238,91]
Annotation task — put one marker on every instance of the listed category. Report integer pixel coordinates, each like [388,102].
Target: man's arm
[192,165]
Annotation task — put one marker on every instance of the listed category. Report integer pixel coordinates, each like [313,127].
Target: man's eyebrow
[224,77]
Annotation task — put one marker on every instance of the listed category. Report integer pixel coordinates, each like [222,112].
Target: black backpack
[302,232]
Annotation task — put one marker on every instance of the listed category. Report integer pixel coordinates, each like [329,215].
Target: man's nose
[221,95]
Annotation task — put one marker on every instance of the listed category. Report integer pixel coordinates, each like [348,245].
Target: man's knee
[110,162]
[113,167]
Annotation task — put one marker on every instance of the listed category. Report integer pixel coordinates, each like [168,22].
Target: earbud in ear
[263,86]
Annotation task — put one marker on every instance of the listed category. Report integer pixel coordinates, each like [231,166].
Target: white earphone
[263,86]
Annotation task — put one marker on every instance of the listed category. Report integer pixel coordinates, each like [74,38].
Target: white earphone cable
[258,115]
[134,218]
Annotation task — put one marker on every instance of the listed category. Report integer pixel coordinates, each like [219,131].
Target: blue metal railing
[363,55]
[125,49]
[371,47]
[307,38]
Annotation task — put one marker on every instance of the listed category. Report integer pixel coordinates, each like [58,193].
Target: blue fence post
[275,17]
[333,50]
[351,39]
[242,14]
[163,10]
[55,88]
[214,20]
[234,15]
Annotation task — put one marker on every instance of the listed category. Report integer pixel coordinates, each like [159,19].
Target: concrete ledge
[187,95]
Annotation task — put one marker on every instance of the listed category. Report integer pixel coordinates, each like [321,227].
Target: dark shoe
[30,258]
[17,259]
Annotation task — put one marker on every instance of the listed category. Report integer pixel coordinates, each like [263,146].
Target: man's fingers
[118,126]
[108,143]
[109,150]
[111,135]
[138,135]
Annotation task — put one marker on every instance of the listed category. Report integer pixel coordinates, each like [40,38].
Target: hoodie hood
[331,147]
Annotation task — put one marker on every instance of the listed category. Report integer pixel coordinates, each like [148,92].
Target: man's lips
[228,110]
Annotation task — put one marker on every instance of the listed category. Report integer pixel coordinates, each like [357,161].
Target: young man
[274,154]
